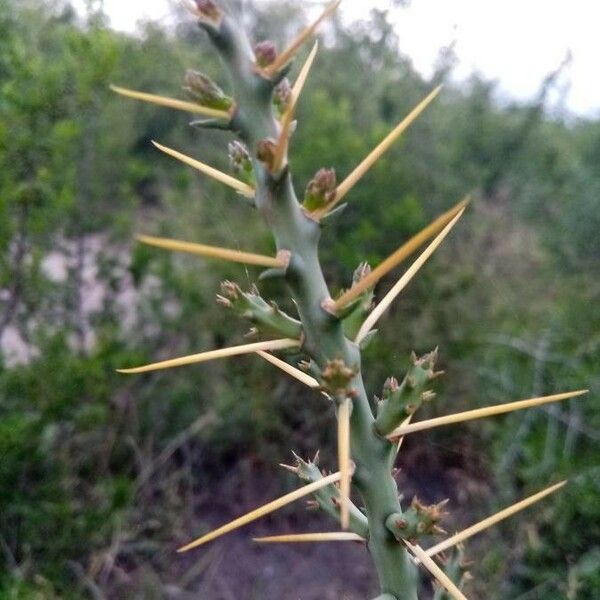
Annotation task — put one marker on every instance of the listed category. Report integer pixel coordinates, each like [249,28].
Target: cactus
[330,333]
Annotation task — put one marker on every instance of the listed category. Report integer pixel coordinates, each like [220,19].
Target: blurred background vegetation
[102,475]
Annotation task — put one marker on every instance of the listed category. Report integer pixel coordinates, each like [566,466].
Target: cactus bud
[240,162]
[206,91]
[230,290]
[336,378]
[265,152]
[266,316]
[418,520]
[208,9]
[265,53]
[282,95]
[320,190]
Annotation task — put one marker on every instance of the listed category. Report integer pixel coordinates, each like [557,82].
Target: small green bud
[353,314]
[418,520]
[206,91]
[240,162]
[265,53]
[282,95]
[336,378]
[320,190]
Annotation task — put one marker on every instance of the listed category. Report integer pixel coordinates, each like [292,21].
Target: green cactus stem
[324,338]
[328,498]
[267,317]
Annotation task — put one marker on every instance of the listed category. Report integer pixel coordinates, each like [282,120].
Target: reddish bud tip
[208,9]
[265,152]
[265,53]
[320,189]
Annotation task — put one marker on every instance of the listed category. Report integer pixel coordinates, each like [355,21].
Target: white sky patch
[517,42]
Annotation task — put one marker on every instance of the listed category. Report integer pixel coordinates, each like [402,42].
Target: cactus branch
[465,534]
[294,538]
[406,278]
[246,258]
[236,184]
[481,413]
[214,354]
[262,511]
[192,107]
[267,317]
[399,400]
[329,498]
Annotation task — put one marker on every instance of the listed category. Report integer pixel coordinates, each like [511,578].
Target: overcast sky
[516,42]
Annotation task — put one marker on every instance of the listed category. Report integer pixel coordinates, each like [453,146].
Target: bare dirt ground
[236,568]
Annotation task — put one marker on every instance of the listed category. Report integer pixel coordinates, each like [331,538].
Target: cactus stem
[480,413]
[263,510]
[435,570]
[281,344]
[288,54]
[406,278]
[236,184]
[334,536]
[247,258]
[286,121]
[399,255]
[344,410]
[289,369]
[358,173]
[172,103]
[492,520]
